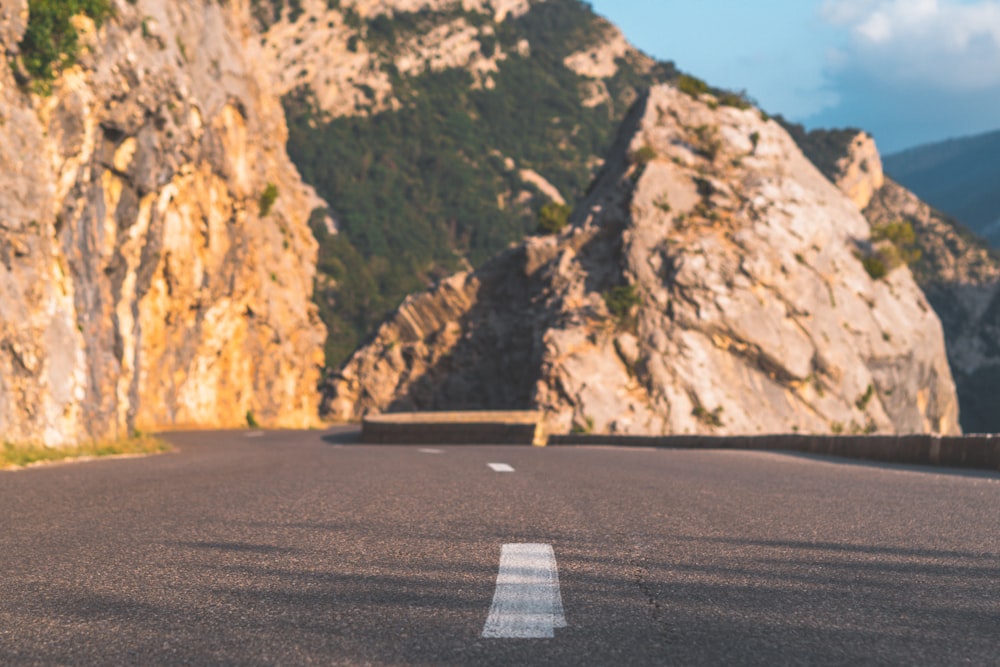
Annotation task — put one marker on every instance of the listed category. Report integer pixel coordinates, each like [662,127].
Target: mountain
[164,265]
[960,274]
[437,130]
[957,271]
[712,281]
[960,177]
[156,264]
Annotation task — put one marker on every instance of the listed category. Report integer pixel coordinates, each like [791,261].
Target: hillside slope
[712,281]
[438,129]
[960,177]
[155,265]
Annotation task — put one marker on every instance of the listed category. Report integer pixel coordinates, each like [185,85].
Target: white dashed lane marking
[430,451]
[527,603]
[500,467]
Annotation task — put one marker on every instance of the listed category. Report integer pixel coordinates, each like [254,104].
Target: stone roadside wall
[974,451]
[448,434]
[522,428]
[454,428]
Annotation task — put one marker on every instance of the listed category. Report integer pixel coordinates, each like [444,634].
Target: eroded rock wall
[145,281]
[711,283]
[860,174]
[348,68]
[958,272]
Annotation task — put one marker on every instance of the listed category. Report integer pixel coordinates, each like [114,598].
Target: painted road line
[430,451]
[500,467]
[255,434]
[527,603]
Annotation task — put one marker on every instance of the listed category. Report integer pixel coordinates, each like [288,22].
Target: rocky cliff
[155,264]
[958,272]
[848,157]
[712,281]
[410,118]
[960,275]
[347,53]
[355,56]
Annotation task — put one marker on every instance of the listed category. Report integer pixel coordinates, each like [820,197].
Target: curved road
[302,548]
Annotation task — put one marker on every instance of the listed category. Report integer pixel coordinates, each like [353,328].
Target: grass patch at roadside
[18,456]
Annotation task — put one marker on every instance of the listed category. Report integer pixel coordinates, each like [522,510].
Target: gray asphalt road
[295,548]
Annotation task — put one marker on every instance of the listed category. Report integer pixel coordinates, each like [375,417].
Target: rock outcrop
[712,282]
[600,60]
[155,263]
[337,52]
[412,118]
[958,272]
[960,275]
[848,157]
[860,173]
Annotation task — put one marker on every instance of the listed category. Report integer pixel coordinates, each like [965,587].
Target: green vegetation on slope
[553,218]
[50,41]
[424,190]
[893,245]
[622,302]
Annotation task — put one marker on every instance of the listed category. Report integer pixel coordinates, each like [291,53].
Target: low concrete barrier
[455,428]
[972,451]
[527,428]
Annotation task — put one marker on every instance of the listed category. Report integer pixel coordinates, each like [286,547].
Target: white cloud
[877,29]
[940,43]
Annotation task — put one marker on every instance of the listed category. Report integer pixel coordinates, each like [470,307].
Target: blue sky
[908,71]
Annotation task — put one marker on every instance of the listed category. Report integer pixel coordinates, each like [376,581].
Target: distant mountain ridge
[961,177]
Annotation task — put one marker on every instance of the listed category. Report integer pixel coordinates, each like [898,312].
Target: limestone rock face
[321,47]
[13,20]
[600,61]
[848,157]
[960,275]
[860,173]
[958,272]
[712,282]
[145,280]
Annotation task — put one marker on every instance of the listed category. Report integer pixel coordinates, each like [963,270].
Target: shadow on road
[347,435]
[692,600]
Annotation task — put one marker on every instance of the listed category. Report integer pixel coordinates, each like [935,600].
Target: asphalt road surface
[301,548]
